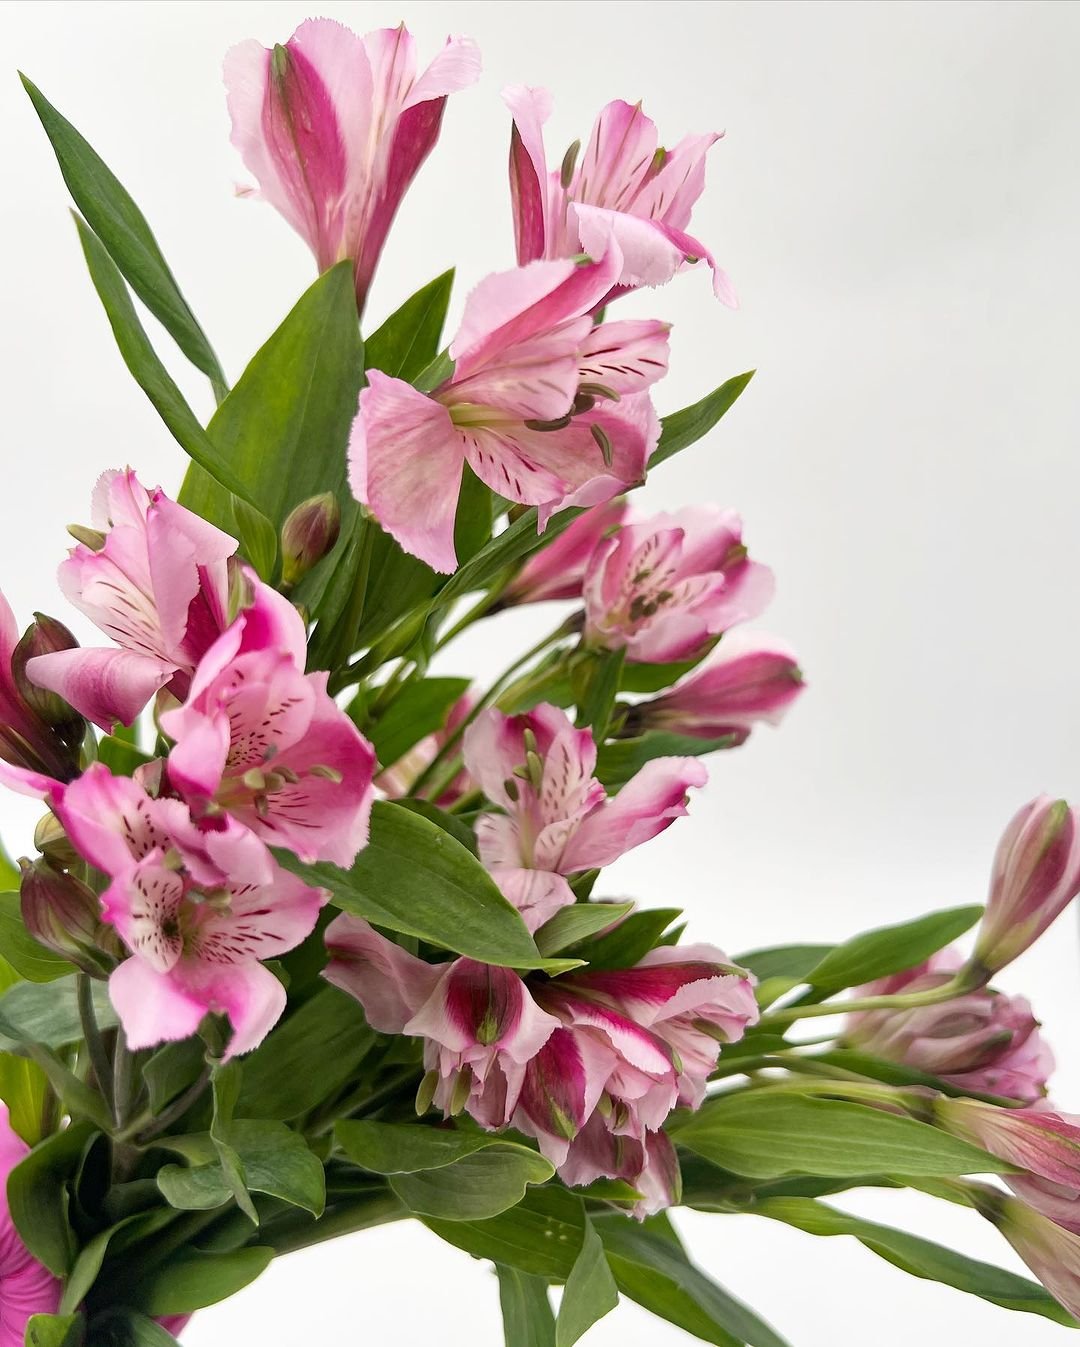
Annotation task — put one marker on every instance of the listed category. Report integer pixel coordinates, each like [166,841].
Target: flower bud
[46,636]
[1038,1140]
[1051,1251]
[64,914]
[52,841]
[1036,875]
[308,534]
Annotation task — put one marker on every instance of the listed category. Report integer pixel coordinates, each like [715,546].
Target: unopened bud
[46,636]
[308,534]
[52,841]
[566,168]
[64,914]
[92,538]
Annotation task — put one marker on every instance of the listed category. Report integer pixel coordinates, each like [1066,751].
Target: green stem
[364,1102]
[123,1080]
[99,1058]
[450,744]
[901,1001]
[175,1110]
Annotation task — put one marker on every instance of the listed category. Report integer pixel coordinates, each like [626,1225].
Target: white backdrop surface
[898,203]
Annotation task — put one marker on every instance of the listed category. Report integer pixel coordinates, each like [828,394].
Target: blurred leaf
[619,760]
[283,1078]
[30,960]
[590,1291]
[258,537]
[55,1330]
[172,1068]
[596,683]
[191,1280]
[146,367]
[10,874]
[122,1327]
[768,1134]
[414,878]
[657,677]
[681,429]
[120,755]
[890,949]
[919,1257]
[526,1309]
[653,1270]
[38,1196]
[630,941]
[22,1088]
[577,922]
[284,427]
[418,710]
[409,339]
[48,1013]
[792,962]
[122,228]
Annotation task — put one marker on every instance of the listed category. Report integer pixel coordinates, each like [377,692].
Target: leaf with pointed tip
[681,429]
[590,1291]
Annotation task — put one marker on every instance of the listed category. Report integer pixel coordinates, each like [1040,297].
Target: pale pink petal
[557,571]
[537,894]
[651,252]
[562,1086]
[153,1007]
[252,998]
[144,905]
[198,757]
[26,782]
[617,159]
[111,820]
[405,462]
[455,67]
[645,806]
[530,109]
[670,194]
[389,983]
[476,1003]
[626,356]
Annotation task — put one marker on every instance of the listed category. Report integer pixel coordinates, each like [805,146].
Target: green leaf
[630,941]
[283,1078]
[172,1069]
[123,1327]
[416,879]
[513,544]
[258,537]
[656,677]
[590,1291]
[618,761]
[596,697]
[88,1264]
[284,427]
[792,962]
[681,429]
[122,228]
[409,339]
[768,1134]
[55,1330]
[449,823]
[48,1013]
[226,1091]
[120,756]
[890,949]
[407,1148]
[192,1280]
[526,1309]
[919,1257]
[418,710]
[146,367]
[540,1236]
[476,1187]
[38,1196]
[652,1269]
[22,1088]
[272,1158]
[577,922]
[30,960]
[10,874]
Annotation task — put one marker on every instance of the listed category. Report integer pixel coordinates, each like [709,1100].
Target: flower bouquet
[314,938]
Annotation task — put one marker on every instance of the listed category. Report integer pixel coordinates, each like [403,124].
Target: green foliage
[55,1330]
[30,960]
[590,1291]
[191,1279]
[577,922]
[681,429]
[419,709]
[619,760]
[526,1309]
[39,1196]
[876,954]
[630,941]
[263,1156]
[47,1014]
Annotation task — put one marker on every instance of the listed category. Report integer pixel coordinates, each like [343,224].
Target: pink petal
[537,894]
[103,685]
[617,159]
[626,356]
[389,983]
[111,820]
[563,1083]
[651,252]
[153,1007]
[405,462]
[670,194]
[530,109]
[144,905]
[645,806]
[557,571]
[454,68]
[253,999]
[482,1004]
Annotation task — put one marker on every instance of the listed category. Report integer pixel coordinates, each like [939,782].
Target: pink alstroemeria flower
[198,907]
[26,1287]
[627,189]
[158,585]
[558,570]
[334,127]
[558,819]
[1039,1139]
[266,742]
[545,407]
[750,678]
[983,1040]
[663,588]
[1051,1250]
[1036,875]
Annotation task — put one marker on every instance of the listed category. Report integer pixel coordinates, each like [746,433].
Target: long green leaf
[38,1196]
[414,878]
[540,1236]
[681,429]
[146,367]
[409,339]
[876,954]
[526,1309]
[418,710]
[621,759]
[192,1280]
[48,1013]
[769,1134]
[122,228]
[590,1291]
[919,1257]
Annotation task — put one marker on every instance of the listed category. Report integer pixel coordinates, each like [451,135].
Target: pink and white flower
[663,588]
[26,1286]
[263,740]
[544,407]
[557,571]
[627,189]
[334,127]
[557,819]
[158,585]
[983,1040]
[1040,1140]
[198,906]
[1050,1250]
[750,678]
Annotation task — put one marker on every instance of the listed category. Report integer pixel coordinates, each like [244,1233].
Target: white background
[897,201]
